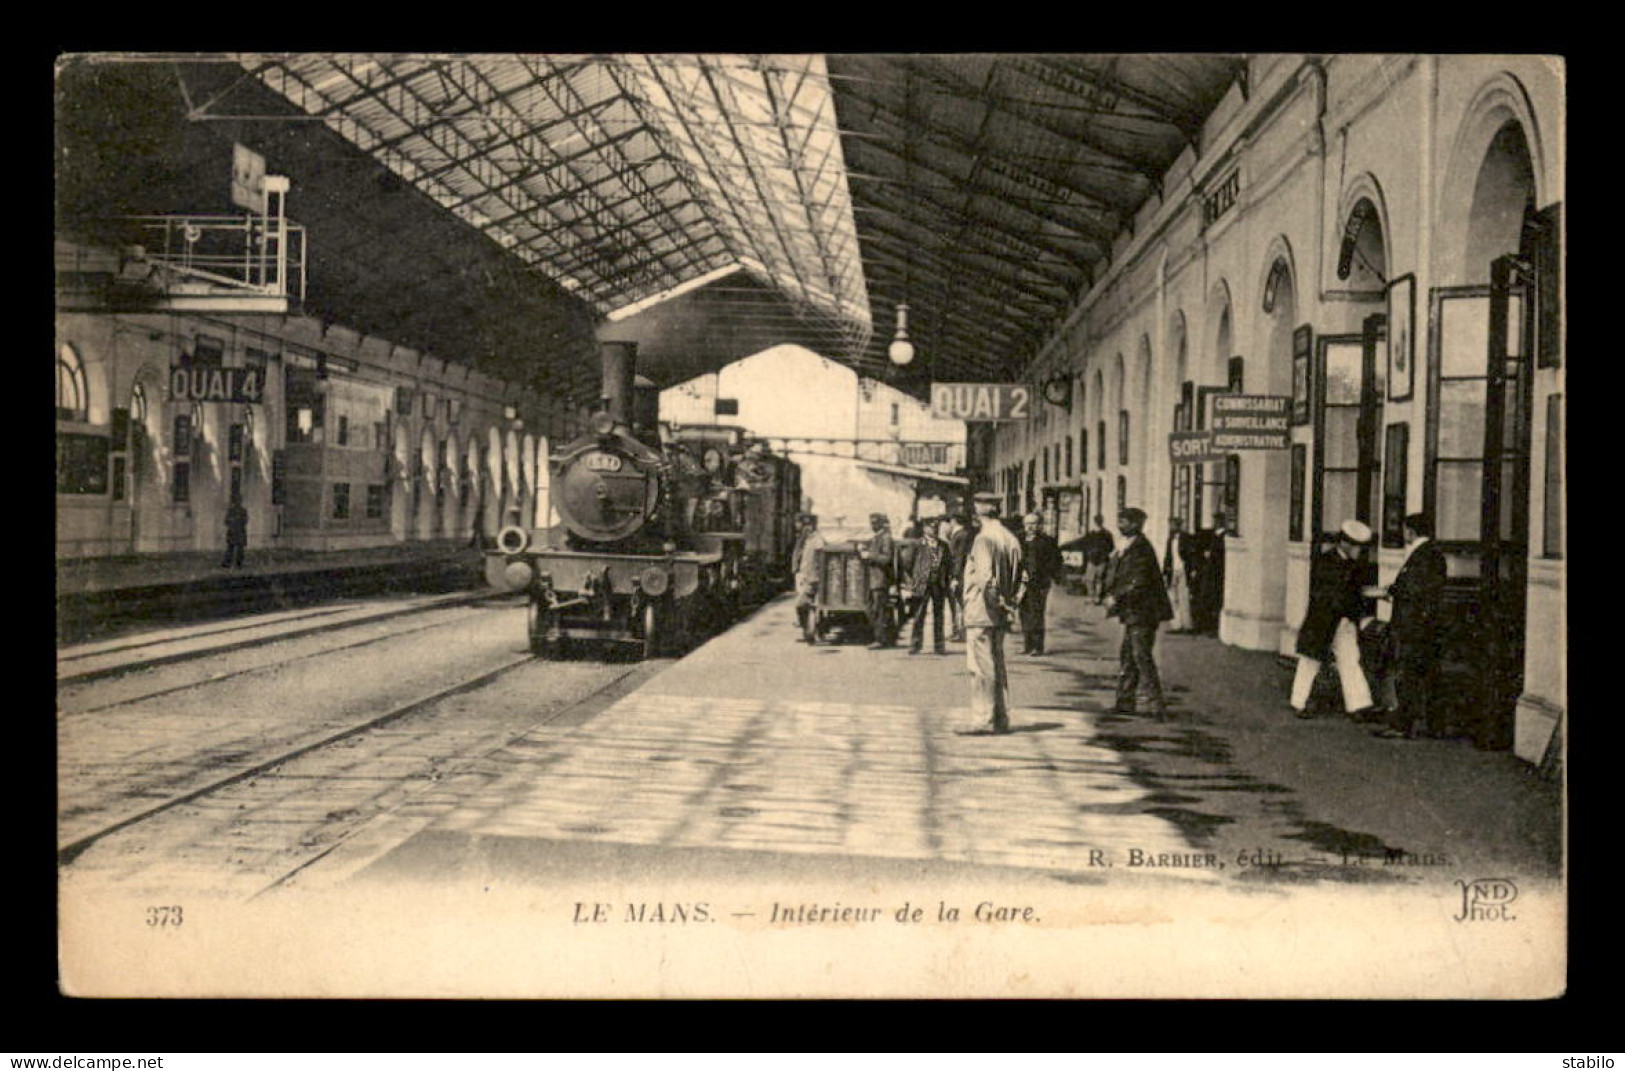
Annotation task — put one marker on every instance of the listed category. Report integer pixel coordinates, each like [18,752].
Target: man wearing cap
[809,541]
[1337,580]
[1041,565]
[878,556]
[992,575]
[1138,599]
[1417,593]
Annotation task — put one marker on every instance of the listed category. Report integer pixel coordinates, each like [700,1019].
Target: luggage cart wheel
[651,631]
[536,622]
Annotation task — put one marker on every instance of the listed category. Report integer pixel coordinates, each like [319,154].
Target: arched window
[71,400]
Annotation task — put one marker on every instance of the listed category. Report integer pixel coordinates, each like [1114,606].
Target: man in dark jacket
[1098,547]
[236,534]
[1337,603]
[1207,576]
[1417,593]
[1138,599]
[926,586]
[959,544]
[1040,567]
[879,562]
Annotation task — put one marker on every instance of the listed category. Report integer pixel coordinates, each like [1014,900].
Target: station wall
[354,442]
[1330,179]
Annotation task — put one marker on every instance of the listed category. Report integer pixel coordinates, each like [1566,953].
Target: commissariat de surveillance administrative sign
[1251,422]
[1240,422]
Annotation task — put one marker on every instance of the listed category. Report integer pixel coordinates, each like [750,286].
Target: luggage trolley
[843,592]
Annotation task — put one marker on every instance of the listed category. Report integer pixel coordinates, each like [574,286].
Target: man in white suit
[992,576]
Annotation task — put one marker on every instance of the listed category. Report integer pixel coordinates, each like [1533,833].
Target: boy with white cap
[1337,603]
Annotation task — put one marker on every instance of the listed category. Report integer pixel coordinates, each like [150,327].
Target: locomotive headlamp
[517,575]
[654,581]
[602,423]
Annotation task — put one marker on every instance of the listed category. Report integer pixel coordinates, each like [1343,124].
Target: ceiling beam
[949,141]
[952,260]
[1030,231]
[1009,321]
[1015,107]
[1088,229]
[1065,76]
[926,297]
[1002,295]
[1019,251]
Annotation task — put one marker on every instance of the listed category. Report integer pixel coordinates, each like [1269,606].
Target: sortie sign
[981,401]
[1251,422]
[1192,448]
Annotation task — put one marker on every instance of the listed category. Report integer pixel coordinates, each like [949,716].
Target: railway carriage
[665,533]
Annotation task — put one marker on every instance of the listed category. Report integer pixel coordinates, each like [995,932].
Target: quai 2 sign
[980,401]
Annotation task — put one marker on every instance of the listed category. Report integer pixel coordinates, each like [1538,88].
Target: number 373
[161,917]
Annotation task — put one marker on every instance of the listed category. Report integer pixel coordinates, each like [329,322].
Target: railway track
[85,615]
[164,659]
[69,852]
[153,821]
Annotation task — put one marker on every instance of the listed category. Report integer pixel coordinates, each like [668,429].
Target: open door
[1478,488]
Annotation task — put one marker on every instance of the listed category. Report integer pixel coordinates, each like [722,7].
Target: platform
[759,753]
[101,596]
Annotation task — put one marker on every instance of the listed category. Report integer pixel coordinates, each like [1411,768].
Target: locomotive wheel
[651,631]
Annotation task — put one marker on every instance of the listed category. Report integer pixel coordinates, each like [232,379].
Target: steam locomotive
[666,532]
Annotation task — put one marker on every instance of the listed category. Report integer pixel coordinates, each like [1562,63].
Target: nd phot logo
[1487,900]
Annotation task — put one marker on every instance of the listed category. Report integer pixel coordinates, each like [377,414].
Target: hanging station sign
[208,384]
[1192,448]
[981,402]
[1251,422]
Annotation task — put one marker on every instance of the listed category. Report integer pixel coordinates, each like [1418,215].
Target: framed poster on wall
[1401,337]
[1302,340]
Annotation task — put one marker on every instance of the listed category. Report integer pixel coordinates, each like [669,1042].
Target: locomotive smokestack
[620,361]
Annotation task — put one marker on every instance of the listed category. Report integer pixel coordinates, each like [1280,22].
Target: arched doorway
[426,513]
[1481,368]
[144,475]
[473,494]
[1350,378]
[1207,493]
[1098,422]
[496,482]
[1183,418]
[1260,483]
[451,482]
[514,477]
[1140,405]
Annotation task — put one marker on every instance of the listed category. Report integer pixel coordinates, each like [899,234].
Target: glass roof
[626,179]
